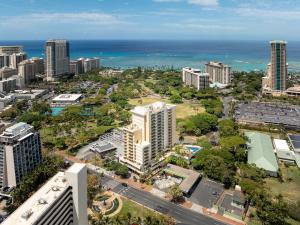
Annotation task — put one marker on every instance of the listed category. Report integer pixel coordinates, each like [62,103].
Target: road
[226,106]
[182,215]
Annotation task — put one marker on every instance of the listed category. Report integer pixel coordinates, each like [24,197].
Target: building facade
[16,58]
[57,59]
[20,153]
[218,72]
[39,65]
[61,201]
[76,67]
[195,78]
[7,72]
[277,70]
[151,133]
[90,64]
[4,60]
[27,71]
[8,85]
[10,49]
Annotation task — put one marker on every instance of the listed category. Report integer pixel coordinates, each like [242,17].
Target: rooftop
[16,129]
[195,71]
[281,145]
[278,42]
[67,97]
[34,207]
[154,107]
[260,151]
[190,177]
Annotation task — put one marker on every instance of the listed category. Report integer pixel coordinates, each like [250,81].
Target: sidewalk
[221,218]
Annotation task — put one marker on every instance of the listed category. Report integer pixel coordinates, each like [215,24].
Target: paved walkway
[221,218]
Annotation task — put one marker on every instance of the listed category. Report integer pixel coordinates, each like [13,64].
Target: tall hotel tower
[57,59]
[277,70]
[152,132]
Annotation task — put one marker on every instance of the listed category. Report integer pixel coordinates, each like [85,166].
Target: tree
[228,128]
[122,171]
[175,193]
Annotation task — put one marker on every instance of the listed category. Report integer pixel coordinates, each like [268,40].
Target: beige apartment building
[151,133]
[195,78]
[27,71]
[218,72]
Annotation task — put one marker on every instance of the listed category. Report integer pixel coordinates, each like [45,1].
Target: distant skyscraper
[218,72]
[57,59]
[279,66]
[20,153]
[153,131]
[16,58]
[27,71]
[11,49]
[195,78]
[90,64]
[60,201]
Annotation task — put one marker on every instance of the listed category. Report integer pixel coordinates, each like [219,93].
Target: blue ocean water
[241,55]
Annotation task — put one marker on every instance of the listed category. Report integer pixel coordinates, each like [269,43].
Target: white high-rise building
[195,78]
[61,201]
[151,133]
[218,72]
[20,153]
[90,64]
[57,59]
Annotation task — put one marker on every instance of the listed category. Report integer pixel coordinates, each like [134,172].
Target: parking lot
[207,193]
[270,113]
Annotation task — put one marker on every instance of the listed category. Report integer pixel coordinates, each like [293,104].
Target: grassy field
[290,188]
[183,110]
[137,210]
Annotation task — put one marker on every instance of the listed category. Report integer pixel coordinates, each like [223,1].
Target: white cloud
[167,0]
[64,18]
[269,14]
[206,3]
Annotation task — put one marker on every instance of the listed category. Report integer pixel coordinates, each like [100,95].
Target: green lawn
[290,188]
[137,210]
[183,110]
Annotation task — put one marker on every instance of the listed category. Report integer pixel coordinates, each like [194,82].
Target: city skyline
[161,19]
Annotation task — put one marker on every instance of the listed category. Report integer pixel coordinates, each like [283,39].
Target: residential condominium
[90,64]
[20,153]
[151,133]
[218,72]
[195,78]
[61,201]
[76,67]
[277,70]
[57,59]
[27,71]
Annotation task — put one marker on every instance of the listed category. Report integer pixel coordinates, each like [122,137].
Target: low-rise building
[20,153]
[61,201]
[66,99]
[261,152]
[29,94]
[195,78]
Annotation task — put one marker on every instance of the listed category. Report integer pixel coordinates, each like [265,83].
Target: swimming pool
[193,149]
[56,110]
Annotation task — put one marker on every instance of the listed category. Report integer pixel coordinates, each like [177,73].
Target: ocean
[240,55]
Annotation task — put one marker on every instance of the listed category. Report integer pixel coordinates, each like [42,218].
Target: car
[124,184]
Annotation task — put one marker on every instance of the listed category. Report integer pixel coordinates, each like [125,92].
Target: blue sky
[150,19]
